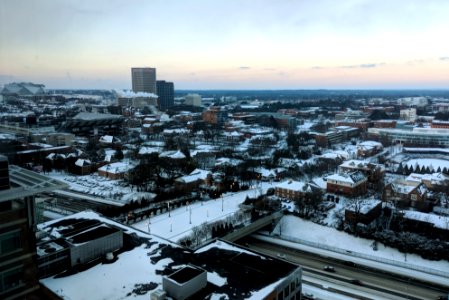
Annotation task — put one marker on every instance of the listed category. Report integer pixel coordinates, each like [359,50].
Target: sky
[227,44]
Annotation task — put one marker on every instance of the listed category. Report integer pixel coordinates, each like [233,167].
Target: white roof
[434,177]
[372,144]
[354,163]
[173,154]
[294,186]
[116,168]
[355,177]
[82,162]
[106,139]
[365,206]
[437,221]
[196,175]
[148,150]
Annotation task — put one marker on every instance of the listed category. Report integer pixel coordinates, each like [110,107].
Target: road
[374,280]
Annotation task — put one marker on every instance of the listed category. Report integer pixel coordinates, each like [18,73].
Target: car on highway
[356,282]
[308,296]
[329,269]
[349,263]
[281,255]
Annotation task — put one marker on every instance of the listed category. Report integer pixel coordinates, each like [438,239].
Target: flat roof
[27,183]
[230,268]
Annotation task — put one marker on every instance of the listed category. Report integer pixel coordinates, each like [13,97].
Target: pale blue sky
[231,44]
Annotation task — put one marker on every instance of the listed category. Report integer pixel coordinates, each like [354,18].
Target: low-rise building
[114,171]
[337,135]
[407,194]
[373,172]
[197,177]
[418,137]
[292,190]
[363,211]
[193,100]
[351,184]
[369,148]
[434,181]
[211,270]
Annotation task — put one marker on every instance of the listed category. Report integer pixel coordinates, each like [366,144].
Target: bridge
[253,227]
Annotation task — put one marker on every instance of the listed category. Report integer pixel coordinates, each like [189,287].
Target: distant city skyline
[201,44]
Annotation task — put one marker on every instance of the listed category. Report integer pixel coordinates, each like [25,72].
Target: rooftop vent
[184,283]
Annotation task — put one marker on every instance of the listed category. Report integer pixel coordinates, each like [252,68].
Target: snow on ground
[95,185]
[295,227]
[181,220]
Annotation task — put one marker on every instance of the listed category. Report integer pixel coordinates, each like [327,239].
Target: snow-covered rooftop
[117,167]
[438,221]
[173,154]
[195,175]
[294,185]
[137,272]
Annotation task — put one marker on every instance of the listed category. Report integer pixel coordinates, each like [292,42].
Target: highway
[374,284]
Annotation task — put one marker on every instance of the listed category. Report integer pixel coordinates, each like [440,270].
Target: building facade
[166,93]
[144,80]
[418,137]
[193,100]
[18,271]
[351,184]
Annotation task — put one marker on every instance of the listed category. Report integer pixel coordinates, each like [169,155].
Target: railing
[364,256]
[254,226]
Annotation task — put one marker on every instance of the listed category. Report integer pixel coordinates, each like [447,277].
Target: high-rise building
[18,271]
[144,80]
[166,93]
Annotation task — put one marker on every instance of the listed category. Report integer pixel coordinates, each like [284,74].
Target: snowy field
[98,186]
[432,163]
[183,219]
[305,230]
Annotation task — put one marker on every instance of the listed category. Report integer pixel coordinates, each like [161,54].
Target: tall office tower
[166,93]
[144,80]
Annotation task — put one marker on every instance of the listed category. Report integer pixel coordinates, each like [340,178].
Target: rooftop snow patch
[144,265]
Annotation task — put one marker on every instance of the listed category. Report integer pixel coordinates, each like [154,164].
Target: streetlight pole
[222,202]
[190,215]
[168,203]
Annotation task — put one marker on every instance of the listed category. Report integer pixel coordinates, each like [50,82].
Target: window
[413,196]
[10,241]
[286,291]
[280,296]
[11,279]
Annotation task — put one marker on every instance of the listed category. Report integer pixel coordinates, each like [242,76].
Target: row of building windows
[10,242]
[11,279]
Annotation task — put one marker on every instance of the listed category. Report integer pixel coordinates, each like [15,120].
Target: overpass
[253,227]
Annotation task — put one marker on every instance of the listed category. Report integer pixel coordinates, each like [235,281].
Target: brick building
[351,184]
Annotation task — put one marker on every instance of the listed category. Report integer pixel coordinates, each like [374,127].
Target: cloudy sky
[227,44]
